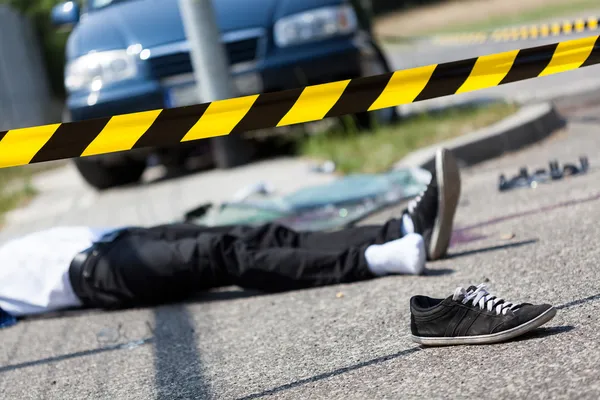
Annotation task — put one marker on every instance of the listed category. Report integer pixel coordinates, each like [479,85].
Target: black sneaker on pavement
[433,211]
[473,316]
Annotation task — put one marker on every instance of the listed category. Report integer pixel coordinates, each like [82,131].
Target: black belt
[80,270]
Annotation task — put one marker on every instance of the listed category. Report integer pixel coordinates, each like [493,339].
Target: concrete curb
[530,124]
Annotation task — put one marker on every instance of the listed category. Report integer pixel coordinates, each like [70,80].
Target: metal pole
[211,71]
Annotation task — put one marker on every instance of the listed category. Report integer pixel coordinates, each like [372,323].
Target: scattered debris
[339,295]
[341,202]
[327,167]
[134,344]
[507,236]
[108,335]
[524,179]
[259,188]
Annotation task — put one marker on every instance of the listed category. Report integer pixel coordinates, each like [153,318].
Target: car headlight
[96,69]
[314,25]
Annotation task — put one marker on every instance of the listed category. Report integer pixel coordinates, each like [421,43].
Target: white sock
[401,256]
[407,225]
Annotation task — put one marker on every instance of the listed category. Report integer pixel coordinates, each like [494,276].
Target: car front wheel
[102,175]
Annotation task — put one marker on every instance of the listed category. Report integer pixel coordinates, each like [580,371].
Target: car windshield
[98,4]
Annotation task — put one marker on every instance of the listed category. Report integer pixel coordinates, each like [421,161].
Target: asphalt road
[313,344]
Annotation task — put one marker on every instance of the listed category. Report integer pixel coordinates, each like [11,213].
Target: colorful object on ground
[312,103]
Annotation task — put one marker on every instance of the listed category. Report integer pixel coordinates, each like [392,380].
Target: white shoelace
[482,298]
[414,202]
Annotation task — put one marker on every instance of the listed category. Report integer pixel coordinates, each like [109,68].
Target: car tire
[104,176]
[375,65]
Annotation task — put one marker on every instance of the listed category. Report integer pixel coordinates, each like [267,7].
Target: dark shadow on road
[438,272]
[331,374]
[229,293]
[578,302]
[586,119]
[177,362]
[492,248]
[49,360]
[224,295]
[544,332]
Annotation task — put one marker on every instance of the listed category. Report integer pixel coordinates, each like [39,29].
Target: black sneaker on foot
[473,316]
[433,211]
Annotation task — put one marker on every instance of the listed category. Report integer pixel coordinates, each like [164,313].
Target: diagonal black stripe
[359,95]
[2,134]
[171,126]
[594,57]
[268,110]
[70,140]
[447,78]
[466,324]
[529,63]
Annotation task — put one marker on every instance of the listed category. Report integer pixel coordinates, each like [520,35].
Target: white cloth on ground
[34,269]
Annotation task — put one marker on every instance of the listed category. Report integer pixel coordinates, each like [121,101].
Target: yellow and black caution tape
[525,32]
[168,127]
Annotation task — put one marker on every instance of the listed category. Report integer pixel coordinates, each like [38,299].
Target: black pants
[145,266]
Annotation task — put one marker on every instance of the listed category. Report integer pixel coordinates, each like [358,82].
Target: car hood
[156,22]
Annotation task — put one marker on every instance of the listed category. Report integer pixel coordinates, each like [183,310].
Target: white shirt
[34,269]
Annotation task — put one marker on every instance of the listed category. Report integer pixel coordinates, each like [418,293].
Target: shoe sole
[492,338]
[449,186]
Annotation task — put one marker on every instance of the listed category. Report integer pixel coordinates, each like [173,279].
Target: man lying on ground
[72,267]
[80,267]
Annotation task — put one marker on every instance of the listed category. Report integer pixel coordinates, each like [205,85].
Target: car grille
[239,51]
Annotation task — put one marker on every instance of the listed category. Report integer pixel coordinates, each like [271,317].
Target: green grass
[377,151]
[15,188]
[15,185]
[528,17]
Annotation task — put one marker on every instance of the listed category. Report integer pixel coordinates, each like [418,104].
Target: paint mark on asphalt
[464,236]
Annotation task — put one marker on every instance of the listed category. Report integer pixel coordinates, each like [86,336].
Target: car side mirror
[65,14]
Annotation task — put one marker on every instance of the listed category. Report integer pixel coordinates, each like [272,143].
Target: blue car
[127,56]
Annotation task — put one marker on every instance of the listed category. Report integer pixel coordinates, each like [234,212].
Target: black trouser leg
[170,262]
[276,235]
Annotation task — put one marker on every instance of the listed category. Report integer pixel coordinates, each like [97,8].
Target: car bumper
[338,60]
[308,65]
